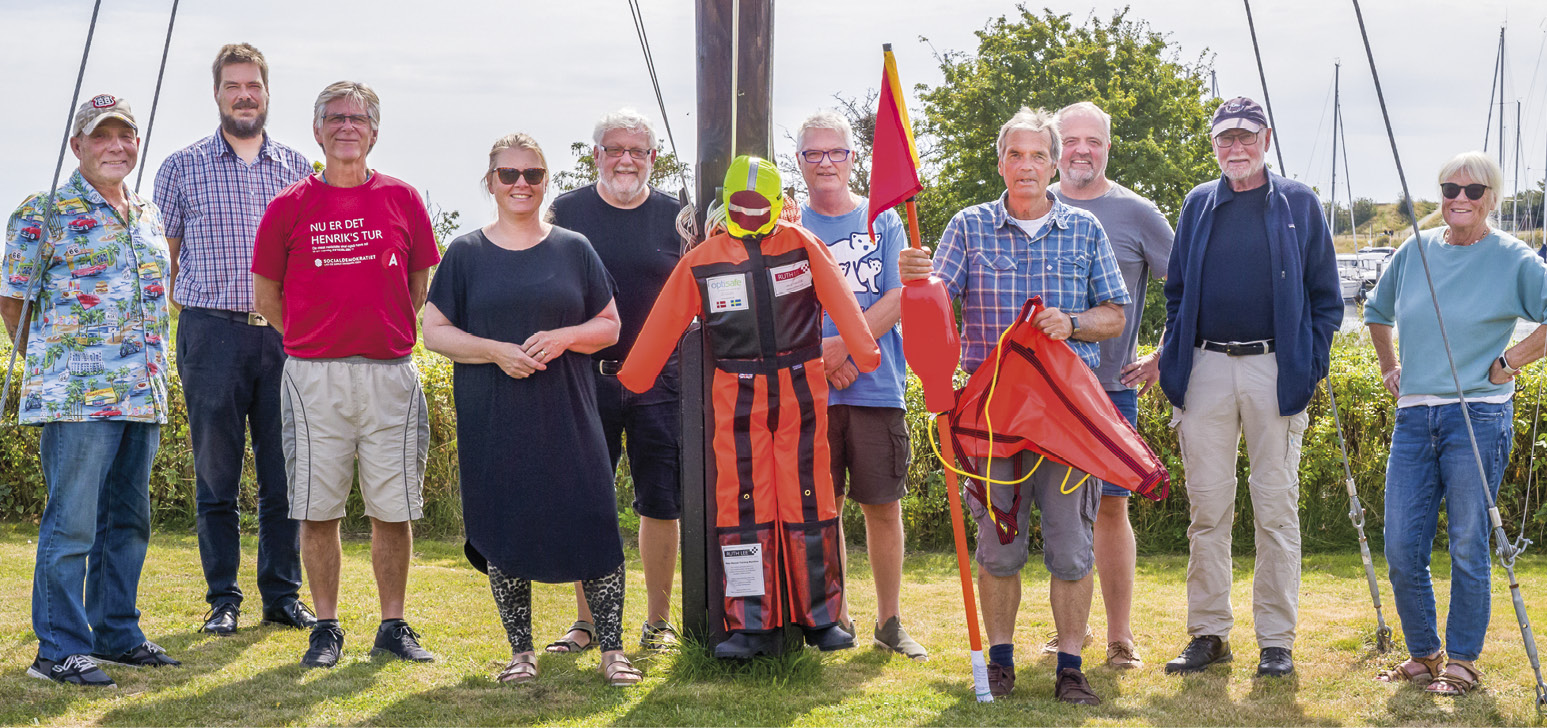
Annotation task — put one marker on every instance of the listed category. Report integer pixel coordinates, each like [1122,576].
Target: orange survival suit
[761,298]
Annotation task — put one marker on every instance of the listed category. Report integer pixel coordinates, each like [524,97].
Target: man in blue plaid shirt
[993,257]
[212,195]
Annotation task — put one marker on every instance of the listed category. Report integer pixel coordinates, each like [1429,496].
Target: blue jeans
[95,530]
[231,373]
[1127,402]
[1431,460]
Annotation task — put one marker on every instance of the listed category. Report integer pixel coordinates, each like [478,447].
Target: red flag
[894,158]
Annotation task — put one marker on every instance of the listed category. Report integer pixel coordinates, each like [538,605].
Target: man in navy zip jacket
[1252,301]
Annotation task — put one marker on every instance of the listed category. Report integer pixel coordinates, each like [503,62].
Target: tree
[668,173]
[1160,115]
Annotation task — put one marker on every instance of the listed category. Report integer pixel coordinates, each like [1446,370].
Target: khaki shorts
[337,413]
[869,447]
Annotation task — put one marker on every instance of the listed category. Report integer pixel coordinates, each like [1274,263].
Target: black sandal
[566,646]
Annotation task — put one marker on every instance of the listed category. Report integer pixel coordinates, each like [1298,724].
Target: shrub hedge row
[1366,414]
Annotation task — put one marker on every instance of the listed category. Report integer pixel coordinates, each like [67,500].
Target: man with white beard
[632,226]
[212,195]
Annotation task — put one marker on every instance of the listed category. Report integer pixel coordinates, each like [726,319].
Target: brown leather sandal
[1456,684]
[619,672]
[521,670]
[1416,670]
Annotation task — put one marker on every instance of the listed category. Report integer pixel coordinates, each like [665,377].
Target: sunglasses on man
[1474,191]
[509,175]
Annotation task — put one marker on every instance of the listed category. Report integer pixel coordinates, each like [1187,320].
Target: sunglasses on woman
[1473,191]
[509,175]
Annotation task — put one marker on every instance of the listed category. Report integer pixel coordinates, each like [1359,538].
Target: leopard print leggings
[513,596]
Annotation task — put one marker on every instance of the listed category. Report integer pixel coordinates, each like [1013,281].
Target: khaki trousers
[1226,398]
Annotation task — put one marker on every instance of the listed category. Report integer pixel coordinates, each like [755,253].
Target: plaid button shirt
[993,266]
[213,200]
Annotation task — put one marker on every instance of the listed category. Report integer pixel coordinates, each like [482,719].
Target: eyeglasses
[339,120]
[1226,141]
[509,175]
[616,152]
[815,156]
[1474,191]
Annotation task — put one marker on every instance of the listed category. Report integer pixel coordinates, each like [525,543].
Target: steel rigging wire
[50,215]
[1263,77]
[1507,551]
[150,125]
[1355,510]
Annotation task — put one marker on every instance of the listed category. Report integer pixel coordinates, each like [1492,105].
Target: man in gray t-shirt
[1141,238]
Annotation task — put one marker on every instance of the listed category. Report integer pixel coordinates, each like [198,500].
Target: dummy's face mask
[753,199]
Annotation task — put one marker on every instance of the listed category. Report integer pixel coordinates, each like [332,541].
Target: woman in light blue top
[1484,280]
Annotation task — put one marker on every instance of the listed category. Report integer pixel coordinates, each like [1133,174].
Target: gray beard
[1081,179]
[623,193]
[243,129]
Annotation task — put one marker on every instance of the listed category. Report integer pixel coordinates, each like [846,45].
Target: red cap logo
[105,101]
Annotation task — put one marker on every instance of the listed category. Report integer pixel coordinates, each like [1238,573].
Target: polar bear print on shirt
[863,275]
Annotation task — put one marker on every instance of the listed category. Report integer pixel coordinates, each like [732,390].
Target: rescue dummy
[760,290]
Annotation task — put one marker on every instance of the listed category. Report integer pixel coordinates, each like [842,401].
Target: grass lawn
[253,678]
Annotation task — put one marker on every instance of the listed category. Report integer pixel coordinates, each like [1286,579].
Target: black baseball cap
[1239,113]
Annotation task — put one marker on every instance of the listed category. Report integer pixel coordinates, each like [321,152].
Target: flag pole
[930,339]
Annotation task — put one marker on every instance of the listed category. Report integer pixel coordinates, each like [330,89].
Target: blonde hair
[518,140]
[1481,168]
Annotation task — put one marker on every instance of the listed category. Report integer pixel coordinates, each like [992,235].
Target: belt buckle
[256,319]
[608,367]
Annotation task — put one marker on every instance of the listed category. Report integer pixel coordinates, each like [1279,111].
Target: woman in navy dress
[519,306]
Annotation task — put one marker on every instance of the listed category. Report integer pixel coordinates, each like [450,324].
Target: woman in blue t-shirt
[1484,281]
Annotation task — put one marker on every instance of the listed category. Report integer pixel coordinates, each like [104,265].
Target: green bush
[1365,408]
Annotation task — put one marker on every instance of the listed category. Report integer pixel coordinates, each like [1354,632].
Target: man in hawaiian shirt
[93,258]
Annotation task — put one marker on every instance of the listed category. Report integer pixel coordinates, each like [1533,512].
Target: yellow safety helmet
[753,196]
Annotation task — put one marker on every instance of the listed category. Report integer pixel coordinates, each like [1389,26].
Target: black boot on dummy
[829,638]
[746,645]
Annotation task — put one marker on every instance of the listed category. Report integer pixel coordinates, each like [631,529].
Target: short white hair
[1085,108]
[825,119]
[626,120]
[1481,168]
[1035,120]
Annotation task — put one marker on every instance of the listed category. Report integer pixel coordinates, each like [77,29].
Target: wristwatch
[1074,324]
[1504,363]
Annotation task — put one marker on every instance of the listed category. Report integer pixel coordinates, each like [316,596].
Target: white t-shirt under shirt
[1032,227]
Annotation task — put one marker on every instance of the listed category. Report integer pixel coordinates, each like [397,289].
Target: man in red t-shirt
[341,265]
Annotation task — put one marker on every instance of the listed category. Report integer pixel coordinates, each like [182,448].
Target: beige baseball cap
[99,108]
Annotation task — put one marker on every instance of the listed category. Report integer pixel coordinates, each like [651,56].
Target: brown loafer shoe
[1123,656]
[1001,680]
[1050,647]
[1071,687]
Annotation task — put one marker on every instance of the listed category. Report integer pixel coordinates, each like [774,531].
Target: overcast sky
[456,74]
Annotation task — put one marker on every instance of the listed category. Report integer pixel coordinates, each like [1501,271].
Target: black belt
[251,319]
[1236,348]
[608,367]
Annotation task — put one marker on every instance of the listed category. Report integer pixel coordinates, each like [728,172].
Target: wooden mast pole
[735,116]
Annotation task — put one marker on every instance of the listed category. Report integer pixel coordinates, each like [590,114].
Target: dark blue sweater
[1307,300]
